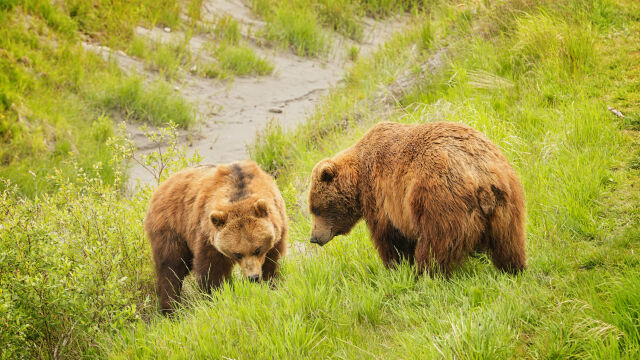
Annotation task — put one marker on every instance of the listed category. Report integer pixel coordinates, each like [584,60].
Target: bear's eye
[257,252]
[237,256]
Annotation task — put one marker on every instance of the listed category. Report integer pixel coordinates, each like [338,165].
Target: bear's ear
[328,171]
[260,208]
[218,218]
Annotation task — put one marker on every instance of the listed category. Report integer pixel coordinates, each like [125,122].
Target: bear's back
[393,148]
[183,201]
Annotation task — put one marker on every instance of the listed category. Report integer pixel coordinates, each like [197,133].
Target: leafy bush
[75,263]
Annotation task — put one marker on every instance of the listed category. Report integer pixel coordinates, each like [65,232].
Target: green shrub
[75,263]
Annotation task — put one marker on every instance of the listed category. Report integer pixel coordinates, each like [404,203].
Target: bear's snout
[321,239]
[314,240]
[251,268]
[321,232]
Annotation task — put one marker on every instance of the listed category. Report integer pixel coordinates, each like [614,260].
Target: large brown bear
[208,218]
[430,193]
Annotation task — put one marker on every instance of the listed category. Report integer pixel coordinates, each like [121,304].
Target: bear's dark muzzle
[314,240]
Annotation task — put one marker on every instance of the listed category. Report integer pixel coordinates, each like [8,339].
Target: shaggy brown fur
[207,219]
[431,194]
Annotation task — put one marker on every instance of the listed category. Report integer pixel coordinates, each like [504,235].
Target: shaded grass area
[577,299]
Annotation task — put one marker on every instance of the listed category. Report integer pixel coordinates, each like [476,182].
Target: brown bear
[429,193]
[208,218]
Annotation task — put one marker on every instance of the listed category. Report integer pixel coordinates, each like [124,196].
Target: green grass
[301,24]
[112,23]
[231,57]
[173,58]
[242,60]
[227,29]
[353,52]
[297,27]
[194,9]
[45,117]
[136,101]
[342,17]
[166,58]
[577,299]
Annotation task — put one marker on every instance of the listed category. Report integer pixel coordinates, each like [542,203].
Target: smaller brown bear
[430,193]
[207,219]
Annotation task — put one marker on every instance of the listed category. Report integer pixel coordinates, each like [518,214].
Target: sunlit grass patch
[301,24]
[298,28]
[165,57]
[543,38]
[227,29]
[113,23]
[234,60]
[194,9]
[156,104]
[342,17]
[242,60]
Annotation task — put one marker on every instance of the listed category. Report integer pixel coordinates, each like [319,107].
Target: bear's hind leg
[211,267]
[430,258]
[391,243]
[507,243]
[173,263]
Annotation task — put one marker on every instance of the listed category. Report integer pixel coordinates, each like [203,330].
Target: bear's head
[333,199]
[245,235]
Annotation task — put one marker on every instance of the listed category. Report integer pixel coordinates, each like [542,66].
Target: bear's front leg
[211,267]
[390,242]
[270,266]
[172,262]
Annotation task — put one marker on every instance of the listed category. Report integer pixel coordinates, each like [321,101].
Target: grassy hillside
[536,76]
[57,101]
